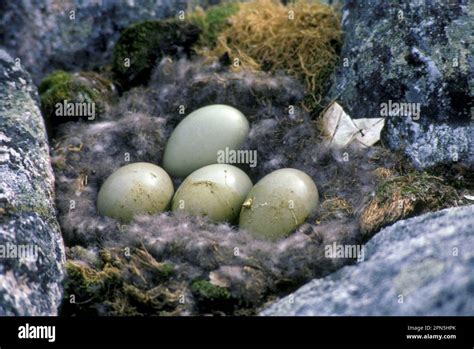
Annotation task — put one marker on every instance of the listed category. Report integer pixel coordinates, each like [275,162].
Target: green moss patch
[212,22]
[143,43]
[84,88]
[56,78]
[210,298]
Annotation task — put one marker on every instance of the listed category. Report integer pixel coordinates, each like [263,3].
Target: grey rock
[420,266]
[411,52]
[76,34]
[31,246]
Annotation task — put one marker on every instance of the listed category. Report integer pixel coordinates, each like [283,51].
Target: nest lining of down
[251,272]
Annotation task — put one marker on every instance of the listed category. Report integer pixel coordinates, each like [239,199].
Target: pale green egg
[201,135]
[216,191]
[135,189]
[278,203]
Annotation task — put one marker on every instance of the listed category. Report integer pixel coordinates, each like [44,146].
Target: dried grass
[301,39]
[403,197]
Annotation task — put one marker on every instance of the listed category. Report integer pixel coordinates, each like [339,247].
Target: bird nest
[174,264]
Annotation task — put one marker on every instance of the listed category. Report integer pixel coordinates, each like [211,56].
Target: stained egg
[198,138]
[138,188]
[216,191]
[278,203]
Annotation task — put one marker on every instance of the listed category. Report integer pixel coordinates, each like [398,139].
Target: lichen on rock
[420,267]
[75,35]
[405,53]
[30,281]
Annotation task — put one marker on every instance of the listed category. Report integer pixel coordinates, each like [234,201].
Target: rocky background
[408,52]
[32,284]
[74,35]
[411,52]
[416,267]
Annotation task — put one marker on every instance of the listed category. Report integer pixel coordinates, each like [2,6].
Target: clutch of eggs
[270,210]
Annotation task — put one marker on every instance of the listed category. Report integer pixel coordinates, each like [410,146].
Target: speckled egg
[278,203]
[216,191]
[198,138]
[138,188]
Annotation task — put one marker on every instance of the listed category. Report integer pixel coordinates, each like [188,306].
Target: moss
[88,287]
[206,290]
[210,298]
[56,78]
[212,22]
[110,282]
[144,43]
[84,87]
[403,197]
[117,283]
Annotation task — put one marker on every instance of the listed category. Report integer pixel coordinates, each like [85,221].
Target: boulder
[31,246]
[398,57]
[420,266]
[73,35]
